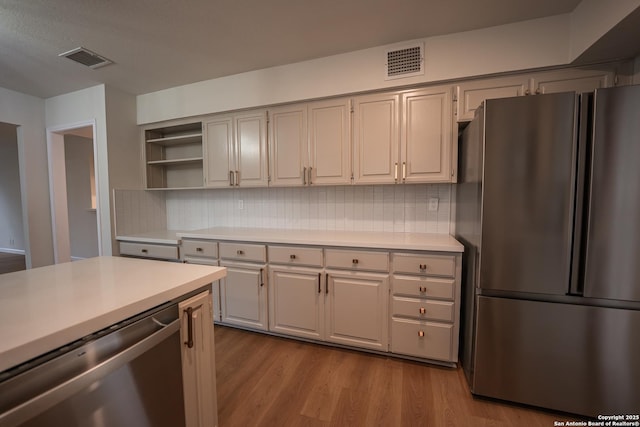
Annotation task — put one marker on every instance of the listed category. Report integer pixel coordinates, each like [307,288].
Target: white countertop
[167,237]
[45,308]
[356,239]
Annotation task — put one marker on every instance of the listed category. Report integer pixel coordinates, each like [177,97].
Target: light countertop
[356,239]
[45,308]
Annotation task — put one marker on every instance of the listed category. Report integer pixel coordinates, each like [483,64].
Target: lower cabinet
[356,309]
[243,295]
[198,361]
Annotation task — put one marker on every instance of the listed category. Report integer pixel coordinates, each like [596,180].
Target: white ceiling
[157,44]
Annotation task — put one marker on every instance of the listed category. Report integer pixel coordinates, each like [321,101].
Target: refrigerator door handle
[582,183]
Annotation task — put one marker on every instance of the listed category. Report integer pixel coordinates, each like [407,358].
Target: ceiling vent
[86,57]
[406,61]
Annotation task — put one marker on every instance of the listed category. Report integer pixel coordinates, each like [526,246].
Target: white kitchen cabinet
[330,142]
[425,305]
[198,361]
[356,309]
[243,293]
[296,297]
[288,145]
[470,94]
[236,150]
[376,138]
[425,150]
[173,155]
[575,80]
[198,251]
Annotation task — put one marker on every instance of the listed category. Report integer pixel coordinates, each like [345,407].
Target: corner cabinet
[173,156]
[235,150]
[198,361]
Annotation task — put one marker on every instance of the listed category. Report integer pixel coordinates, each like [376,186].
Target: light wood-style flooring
[271,381]
[11,262]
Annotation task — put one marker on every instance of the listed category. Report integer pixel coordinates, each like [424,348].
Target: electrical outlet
[433,204]
[241,204]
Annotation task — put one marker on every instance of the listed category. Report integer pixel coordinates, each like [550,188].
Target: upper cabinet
[173,156]
[330,142]
[235,149]
[310,143]
[403,138]
[376,138]
[470,94]
[288,145]
[425,149]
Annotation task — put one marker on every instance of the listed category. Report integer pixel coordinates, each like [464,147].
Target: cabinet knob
[422,310]
[198,249]
[423,267]
[144,251]
[292,256]
[240,252]
[421,334]
[422,289]
[354,261]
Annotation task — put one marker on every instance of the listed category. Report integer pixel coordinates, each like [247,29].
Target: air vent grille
[86,57]
[405,62]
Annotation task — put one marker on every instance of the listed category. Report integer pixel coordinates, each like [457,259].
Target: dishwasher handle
[27,410]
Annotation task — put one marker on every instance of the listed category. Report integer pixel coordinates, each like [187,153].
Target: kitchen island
[44,309]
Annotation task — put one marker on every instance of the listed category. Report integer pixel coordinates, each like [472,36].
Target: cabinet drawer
[295,255]
[149,250]
[200,248]
[243,251]
[360,260]
[422,339]
[422,309]
[423,287]
[436,265]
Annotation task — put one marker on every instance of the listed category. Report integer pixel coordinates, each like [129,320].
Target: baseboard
[12,251]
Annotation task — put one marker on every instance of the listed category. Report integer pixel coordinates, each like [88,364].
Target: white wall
[524,45]
[11,230]
[83,231]
[28,113]
[397,208]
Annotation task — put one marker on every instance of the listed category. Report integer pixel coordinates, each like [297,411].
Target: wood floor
[271,381]
[11,262]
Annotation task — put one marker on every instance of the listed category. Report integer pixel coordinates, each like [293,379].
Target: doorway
[74,194]
[12,241]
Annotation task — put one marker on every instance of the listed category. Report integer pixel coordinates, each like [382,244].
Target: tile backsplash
[398,208]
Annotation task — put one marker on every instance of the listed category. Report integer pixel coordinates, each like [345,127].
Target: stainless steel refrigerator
[548,209]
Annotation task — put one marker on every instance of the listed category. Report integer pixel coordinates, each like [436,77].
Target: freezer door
[528,191]
[612,268]
[571,358]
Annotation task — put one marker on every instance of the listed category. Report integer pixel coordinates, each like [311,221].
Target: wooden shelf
[176,140]
[170,162]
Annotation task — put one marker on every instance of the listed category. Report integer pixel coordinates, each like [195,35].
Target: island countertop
[45,308]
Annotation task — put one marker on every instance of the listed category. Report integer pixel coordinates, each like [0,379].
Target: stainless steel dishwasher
[129,374]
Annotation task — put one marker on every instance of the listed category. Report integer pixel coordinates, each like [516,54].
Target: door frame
[58,188]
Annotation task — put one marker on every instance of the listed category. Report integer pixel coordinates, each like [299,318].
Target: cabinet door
[376,139]
[251,149]
[296,301]
[289,148]
[219,154]
[572,81]
[471,94]
[330,142]
[198,361]
[356,309]
[426,135]
[243,296]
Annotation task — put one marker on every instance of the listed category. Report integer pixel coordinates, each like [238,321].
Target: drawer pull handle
[423,267]
[240,252]
[421,334]
[354,261]
[423,289]
[198,249]
[292,256]
[422,310]
[144,251]
[189,341]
